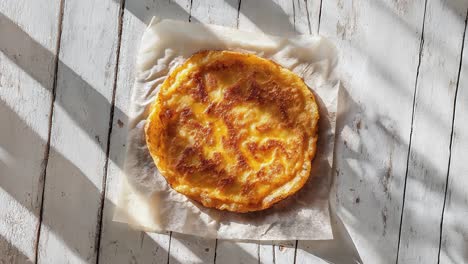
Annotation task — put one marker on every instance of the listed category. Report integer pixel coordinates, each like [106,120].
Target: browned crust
[182,162]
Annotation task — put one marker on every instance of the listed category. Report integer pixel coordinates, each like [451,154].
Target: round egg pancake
[233,131]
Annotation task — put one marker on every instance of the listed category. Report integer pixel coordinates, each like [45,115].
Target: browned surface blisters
[210,81]
[219,65]
[192,161]
[247,188]
[231,131]
[225,182]
[262,174]
[207,135]
[254,151]
[167,114]
[270,146]
[185,114]
[188,160]
[199,91]
[275,145]
[242,162]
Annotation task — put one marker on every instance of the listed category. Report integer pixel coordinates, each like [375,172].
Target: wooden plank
[340,249]
[271,17]
[429,150]
[217,12]
[454,237]
[229,252]
[28,33]
[119,242]
[285,252]
[266,252]
[80,125]
[191,249]
[374,122]
[307,16]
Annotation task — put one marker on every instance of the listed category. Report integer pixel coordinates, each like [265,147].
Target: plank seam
[421,46]
[238,13]
[320,16]
[258,253]
[190,11]
[97,243]
[451,136]
[274,254]
[295,252]
[308,17]
[169,248]
[45,162]
[294,14]
[215,249]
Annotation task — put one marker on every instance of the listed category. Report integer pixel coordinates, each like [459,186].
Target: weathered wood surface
[379,45]
[80,123]
[431,132]
[402,90]
[28,34]
[454,235]
[120,243]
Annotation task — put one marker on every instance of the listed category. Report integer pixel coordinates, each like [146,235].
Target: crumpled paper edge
[132,198]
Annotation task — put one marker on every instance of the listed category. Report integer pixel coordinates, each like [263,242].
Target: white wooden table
[401,157]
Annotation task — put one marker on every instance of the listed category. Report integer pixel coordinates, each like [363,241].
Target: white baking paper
[146,201]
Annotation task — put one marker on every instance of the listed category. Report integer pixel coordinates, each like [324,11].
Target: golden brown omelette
[233,131]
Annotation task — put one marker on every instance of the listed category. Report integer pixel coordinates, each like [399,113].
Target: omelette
[233,131]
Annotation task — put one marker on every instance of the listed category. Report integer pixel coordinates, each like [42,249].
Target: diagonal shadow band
[65,225]
[267,15]
[386,181]
[339,250]
[21,54]
[29,55]
[12,254]
[144,10]
[37,71]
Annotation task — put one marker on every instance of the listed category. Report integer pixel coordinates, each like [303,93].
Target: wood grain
[191,249]
[80,124]
[429,150]
[404,104]
[217,12]
[119,242]
[28,35]
[307,16]
[271,17]
[454,236]
[379,44]
[285,251]
[266,252]
[229,252]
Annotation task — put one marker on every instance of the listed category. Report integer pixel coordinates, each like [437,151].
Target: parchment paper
[147,202]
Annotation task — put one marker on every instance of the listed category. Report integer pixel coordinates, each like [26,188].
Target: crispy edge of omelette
[286,190]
